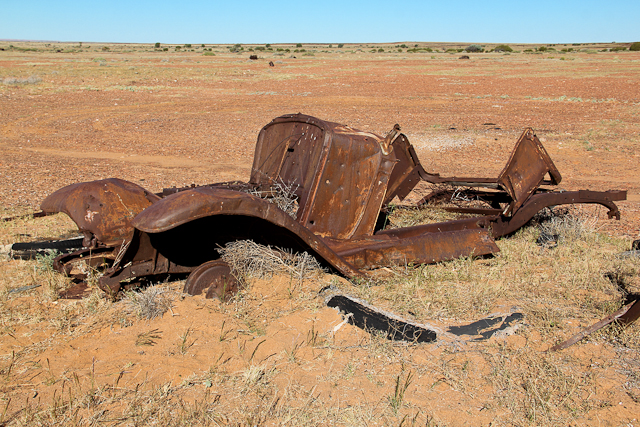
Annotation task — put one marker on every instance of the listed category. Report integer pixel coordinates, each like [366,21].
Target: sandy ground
[173,119]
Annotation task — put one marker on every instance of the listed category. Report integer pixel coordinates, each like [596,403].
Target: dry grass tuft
[249,259]
[150,303]
[148,338]
[563,226]
[409,216]
[541,389]
[282,195]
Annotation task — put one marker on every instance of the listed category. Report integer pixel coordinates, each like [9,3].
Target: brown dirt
[173,119]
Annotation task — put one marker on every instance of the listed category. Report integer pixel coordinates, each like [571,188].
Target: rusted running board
[426,248]
[369,318]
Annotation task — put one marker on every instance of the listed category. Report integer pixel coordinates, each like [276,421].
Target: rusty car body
[343,181]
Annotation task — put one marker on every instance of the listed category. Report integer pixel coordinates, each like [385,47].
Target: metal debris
[342,181]
[625,316]
[368,317]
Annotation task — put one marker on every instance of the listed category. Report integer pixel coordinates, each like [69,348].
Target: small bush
[474,48]
[249,259]
[157,45]
[381,50]
[14,81]
[298,44]
[151,303]
[542,49]
[503,48]
[209,54]
[618,49]
[635,47]
[165,49]
[188,45]
[340,46]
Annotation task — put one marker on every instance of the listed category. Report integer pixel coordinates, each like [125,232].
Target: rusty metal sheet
[626,315]
[340,174]
[101,209]
[213,217]
[526,169]
[368,317]
[503,225]
[426,248]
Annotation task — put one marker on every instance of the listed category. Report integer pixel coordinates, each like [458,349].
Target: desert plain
[275,354]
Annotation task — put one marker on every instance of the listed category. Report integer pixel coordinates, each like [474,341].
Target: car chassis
[343,181]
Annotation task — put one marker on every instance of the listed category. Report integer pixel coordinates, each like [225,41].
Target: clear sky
[333,21]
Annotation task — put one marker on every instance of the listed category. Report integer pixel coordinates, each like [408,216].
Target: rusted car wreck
[343,181]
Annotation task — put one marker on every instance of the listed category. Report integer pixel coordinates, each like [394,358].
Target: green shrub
[381,50]
[503,48]
[340,46]
[157,45]
[474,48]
[202,45]
[188,45]
[635,47]
[619,48]
[542,49]
[298,44]
[209,54]
[165,49]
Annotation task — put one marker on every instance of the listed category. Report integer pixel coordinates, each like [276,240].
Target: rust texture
[342,181]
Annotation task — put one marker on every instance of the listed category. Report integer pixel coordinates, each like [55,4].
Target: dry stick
[29,215]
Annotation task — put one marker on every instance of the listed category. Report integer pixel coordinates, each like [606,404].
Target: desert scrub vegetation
[21,81]
[503,48]
[248,259]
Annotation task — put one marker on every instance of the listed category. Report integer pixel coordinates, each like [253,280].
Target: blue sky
[300,21]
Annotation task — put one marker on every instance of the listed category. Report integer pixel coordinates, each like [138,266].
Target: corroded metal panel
[103,208]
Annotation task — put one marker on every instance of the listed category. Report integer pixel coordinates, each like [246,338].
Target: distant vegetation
[474,48]
[503,48]
[285,48]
